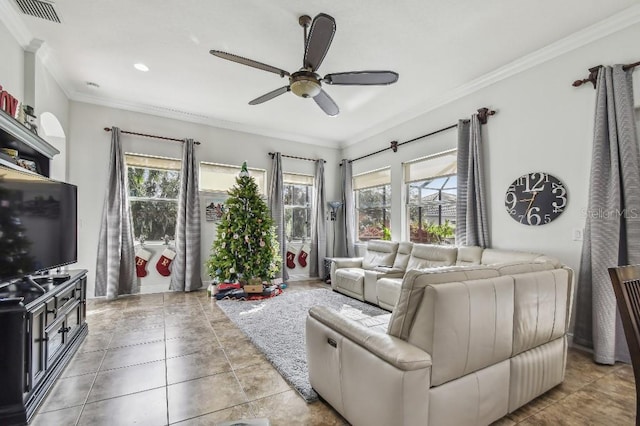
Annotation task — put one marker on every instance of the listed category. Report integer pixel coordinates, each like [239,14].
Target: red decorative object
[302,257]
[290,260]
[8,103]
[165,260]
[142,259]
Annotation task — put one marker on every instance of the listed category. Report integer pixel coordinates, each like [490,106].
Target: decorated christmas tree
[14,250]
[246,246]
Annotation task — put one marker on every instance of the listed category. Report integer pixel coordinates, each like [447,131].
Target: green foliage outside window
[153,198]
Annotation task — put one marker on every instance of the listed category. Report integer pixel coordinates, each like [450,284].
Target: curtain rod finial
[484,113]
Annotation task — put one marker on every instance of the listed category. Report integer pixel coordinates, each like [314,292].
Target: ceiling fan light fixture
[305,86]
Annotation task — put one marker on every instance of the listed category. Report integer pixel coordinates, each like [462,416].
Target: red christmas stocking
[302,257]
[165,260]
[142,258]
[290,258]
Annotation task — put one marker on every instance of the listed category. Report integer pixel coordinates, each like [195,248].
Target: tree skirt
[277,328]
[236,292]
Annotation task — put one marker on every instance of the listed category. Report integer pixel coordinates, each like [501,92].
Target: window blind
[151,161]
[442,164]
[221,177]
[371,179]
[297,179]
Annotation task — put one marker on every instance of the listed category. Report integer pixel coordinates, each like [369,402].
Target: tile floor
[139,366]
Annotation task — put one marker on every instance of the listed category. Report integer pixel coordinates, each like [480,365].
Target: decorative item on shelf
[536,198]
[30,119]
[13,153]
[8,103]
[28,164]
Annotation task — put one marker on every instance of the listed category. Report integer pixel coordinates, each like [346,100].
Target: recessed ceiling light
[93,85]
[141,67]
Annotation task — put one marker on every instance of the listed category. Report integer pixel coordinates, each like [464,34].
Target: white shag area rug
[277,327]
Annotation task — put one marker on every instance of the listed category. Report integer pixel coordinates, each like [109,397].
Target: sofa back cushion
[379,253]
[491,256]
[430,255]
[465,326]
[541,307]
[469,255]
[512,268]
[413,286]
[402,256]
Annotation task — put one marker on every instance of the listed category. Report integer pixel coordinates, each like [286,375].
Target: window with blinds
[221,177]
[153,195]
[372,193]
[298,199]
[432,187]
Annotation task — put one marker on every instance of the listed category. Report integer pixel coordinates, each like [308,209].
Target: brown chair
[626,286]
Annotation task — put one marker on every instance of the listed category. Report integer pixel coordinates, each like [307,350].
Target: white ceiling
[437,47]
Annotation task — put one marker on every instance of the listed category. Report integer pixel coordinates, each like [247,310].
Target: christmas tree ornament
[165,261]
[142,258]
[244,172]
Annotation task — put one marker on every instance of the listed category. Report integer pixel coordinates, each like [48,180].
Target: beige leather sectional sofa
[376,278]
[464,345]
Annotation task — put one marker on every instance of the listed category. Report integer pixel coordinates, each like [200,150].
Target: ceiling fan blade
[270,95]
[362,78]
[327,104]
[248,62]
[321,34]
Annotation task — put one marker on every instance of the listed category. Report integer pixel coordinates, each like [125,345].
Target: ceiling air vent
[39,8]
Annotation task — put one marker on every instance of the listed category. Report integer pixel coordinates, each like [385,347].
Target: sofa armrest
[389,272]
[396,352]
[347,262]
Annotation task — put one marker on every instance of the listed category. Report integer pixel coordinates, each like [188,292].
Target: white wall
[542,124]
[88,148]
[11,64]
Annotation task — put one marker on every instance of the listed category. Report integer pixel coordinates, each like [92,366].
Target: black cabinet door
[35,347]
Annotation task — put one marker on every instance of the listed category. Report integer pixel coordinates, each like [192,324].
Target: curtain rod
[483,116]
[273,154]
[107,129]
[593,74]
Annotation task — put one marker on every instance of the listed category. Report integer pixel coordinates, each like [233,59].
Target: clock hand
[531,202]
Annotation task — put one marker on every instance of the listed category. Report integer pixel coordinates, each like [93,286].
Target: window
[153,195]
[297,195]
[432,187]
[372,192]
[221,177]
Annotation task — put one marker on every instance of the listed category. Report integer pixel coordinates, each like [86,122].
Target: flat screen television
[38,224]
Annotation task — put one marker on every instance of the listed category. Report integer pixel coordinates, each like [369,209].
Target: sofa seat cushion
[351,280]
[388,291]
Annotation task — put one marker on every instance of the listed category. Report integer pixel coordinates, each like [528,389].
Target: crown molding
[615,23]
[201,119]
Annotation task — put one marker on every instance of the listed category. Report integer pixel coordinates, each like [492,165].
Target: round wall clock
[536,198]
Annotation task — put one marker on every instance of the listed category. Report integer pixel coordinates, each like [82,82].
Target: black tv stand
[39,336]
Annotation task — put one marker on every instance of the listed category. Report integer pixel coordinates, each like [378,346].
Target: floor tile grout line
[166,367]
[92,383]
[226,356]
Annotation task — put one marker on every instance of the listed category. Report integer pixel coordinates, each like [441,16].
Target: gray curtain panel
[115,266]
[318,223]
[186,266]
[472,228]
[349,209]
[612,230]
[276,207]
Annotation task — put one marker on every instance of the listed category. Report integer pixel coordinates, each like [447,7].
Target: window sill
[154,243]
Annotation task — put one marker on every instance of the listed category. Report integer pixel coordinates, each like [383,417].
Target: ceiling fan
[305,82]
